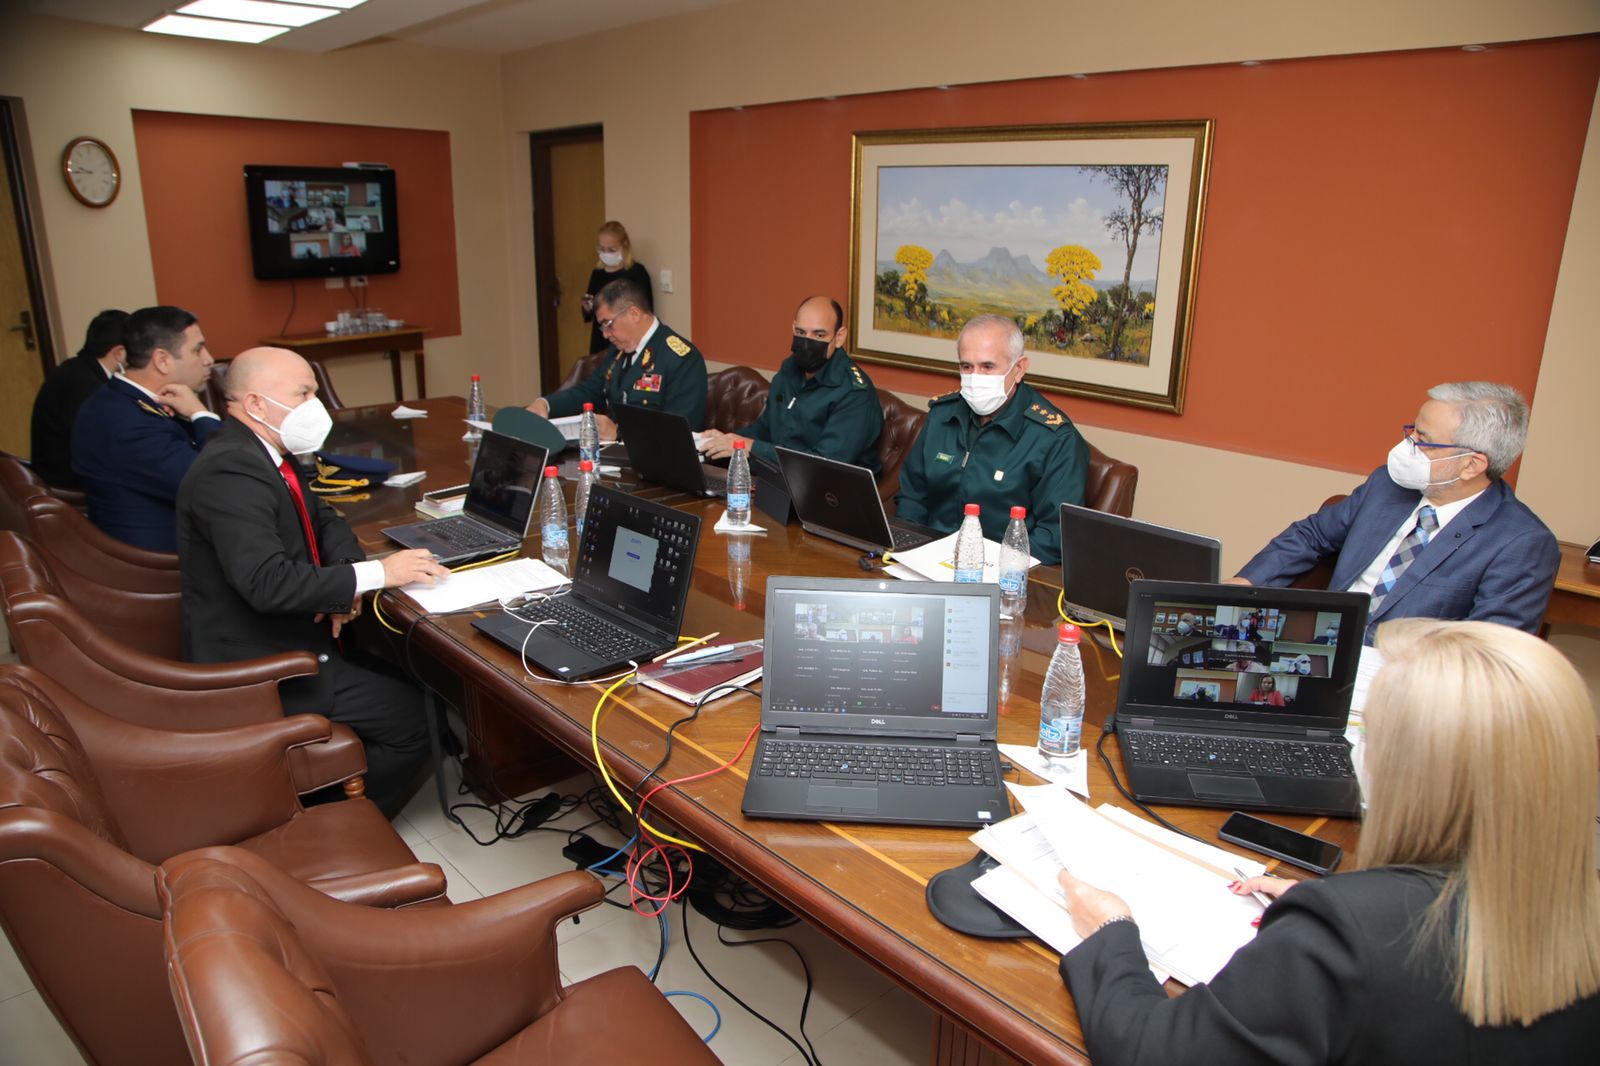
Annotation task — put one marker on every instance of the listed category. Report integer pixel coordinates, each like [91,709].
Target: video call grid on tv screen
[324,219]
[1261,658]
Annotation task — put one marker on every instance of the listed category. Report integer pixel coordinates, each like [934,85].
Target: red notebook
[690,683]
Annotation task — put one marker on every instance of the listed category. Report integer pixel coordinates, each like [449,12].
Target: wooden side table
[1576,596]
[318,347]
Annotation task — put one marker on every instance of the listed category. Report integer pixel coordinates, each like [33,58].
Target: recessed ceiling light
[214,29]
[344,5]
[1079,77]
[1474,48]
[264,11]
[1250,62]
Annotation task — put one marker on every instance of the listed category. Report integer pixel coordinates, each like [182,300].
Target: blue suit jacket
[131,455]
[1494,562]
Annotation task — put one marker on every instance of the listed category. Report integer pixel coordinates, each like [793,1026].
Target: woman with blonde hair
[1470,932]
[615,260]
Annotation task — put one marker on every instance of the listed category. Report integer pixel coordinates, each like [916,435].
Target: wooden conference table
[862,884]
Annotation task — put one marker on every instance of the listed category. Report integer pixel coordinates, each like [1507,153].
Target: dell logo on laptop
[879,721]
[1133,573]
[832,498]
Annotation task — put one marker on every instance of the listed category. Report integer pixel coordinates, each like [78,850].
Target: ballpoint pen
[709,660]
[1260,897]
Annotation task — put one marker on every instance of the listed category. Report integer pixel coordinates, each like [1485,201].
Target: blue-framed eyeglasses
[1409,432]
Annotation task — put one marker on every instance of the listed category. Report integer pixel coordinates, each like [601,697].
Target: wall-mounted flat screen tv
[312,222]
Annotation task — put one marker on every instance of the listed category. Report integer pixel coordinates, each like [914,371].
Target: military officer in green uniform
[647,365]
[996,443]
[819,402]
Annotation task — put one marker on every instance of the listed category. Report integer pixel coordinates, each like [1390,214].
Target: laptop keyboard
[1200,751]
[905,538]
[465,534]
[884,763]
[583,630]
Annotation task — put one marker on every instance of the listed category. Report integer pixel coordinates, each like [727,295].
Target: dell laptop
[661,450]
[630,581]
[498,508]
[840,501]
[879,704]
[1235,696]
[1102,554]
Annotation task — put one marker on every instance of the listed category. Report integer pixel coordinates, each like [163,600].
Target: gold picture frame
[1083,249]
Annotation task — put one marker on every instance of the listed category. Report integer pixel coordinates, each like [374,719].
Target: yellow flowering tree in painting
[1074,266]
[914,260]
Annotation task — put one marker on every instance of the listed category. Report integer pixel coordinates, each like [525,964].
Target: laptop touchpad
[855,799]
[1218,787]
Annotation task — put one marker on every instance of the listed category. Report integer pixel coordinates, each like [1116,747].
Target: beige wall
[76,79]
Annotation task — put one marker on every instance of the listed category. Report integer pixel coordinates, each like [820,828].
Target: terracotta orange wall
[192,170]
[1376,224]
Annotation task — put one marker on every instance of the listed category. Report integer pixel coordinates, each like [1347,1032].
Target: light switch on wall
[666,281]
[335,283]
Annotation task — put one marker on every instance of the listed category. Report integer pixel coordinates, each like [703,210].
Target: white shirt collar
[272,451]
[125,378]
[655,324]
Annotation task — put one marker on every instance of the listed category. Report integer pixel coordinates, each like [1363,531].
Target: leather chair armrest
[341,759]
[402,886]
[102,868]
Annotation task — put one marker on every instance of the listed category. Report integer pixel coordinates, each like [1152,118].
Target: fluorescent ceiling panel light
[214,29]
[264,11]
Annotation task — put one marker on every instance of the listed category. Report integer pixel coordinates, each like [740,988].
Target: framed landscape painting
[1087,236]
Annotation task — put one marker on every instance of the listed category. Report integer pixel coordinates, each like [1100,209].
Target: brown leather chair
[17,478]
[89,805]
[1110,484]
[582,369]
[263,969]
[735,397]
[87,560]
[1321,572]
[901,425]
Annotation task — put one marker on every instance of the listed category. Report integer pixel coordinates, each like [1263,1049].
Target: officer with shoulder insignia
[647,364]
[819,402]
[1002,445]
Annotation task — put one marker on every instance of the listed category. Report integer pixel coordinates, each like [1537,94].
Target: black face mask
[809,353]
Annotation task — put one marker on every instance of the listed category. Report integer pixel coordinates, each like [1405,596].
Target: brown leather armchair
[262,968]
[1110,484]
[735,397]
[89,805]
[582,369]
[901,425]
[17,479]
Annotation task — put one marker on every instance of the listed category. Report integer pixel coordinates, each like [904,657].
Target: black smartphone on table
[1281,842]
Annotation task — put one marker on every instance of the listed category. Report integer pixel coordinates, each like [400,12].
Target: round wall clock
[91,171]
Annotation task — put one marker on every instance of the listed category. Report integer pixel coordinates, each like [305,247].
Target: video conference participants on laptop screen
[1282,660]
[635,558]
[880,654]
[505,480]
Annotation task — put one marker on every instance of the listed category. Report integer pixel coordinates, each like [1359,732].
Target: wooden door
[23,333]
[569,196]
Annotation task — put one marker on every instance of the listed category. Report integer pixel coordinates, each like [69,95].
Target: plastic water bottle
[968,559]
[1061,701]
[580,496]
[588,439]
[475,408]
[553,521]
[1014,566]
[1010,658]
[738,569]
[739,485]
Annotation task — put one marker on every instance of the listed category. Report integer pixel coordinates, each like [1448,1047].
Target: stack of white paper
[933,561]
[487,584]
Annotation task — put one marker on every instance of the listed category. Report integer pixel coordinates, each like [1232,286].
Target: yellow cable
[1061,609]
[594,737]
[485,562]
[377,612]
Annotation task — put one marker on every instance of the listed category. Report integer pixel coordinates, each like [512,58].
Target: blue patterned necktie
[1405,555]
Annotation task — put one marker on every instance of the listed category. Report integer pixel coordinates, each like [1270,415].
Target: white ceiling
[474,25]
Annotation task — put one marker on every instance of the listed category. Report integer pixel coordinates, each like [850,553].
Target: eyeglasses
[1409,432]
[605,324]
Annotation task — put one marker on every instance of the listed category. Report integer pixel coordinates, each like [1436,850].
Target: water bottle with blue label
[1014,566]
[580,495]
[968,561]
[739,485]
[589,436]
[1061,702]
[553,537]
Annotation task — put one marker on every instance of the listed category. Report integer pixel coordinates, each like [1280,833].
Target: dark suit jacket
[249,586]
[1330,978]
[1494,562]
[131,456]
[55,411]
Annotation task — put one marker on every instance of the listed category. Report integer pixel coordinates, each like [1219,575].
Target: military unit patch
[679,346]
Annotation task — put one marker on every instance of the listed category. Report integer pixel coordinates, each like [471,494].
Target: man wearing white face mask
[1434,533]
[268,567]
[996,443]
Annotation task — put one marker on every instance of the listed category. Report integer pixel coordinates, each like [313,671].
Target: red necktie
[287,469]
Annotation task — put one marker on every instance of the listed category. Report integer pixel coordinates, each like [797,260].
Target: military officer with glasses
[1435,532]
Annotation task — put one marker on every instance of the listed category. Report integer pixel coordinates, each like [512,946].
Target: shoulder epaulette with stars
[858,380]
[679,346]
[947,397]
[1046,415]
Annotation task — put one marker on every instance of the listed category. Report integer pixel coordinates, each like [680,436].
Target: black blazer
[1330,978]
[249,586]
[55,410]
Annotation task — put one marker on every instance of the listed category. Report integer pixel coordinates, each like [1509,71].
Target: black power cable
[1100,749]
[757,1015]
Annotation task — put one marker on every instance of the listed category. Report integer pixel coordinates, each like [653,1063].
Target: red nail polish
[1255,922]
[1233,884]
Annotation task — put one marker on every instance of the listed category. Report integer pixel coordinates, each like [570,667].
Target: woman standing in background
[616,261]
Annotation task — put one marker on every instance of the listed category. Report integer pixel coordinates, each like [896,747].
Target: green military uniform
[669,373]
[1028,454]
[834,413]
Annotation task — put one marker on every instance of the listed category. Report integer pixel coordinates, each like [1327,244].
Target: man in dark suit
[647,364]
[1435,533]
[268,567]
[55,409]
[135,438]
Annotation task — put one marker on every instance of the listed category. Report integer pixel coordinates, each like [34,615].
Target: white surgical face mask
[985,393]
[305,427]
[612,260]
[1410,469]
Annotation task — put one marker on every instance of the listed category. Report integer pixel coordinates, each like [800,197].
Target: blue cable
[613,855]
[714,1029]
[665,936]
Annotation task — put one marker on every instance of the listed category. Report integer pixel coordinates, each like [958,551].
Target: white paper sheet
[1074,775]
[1367,667]
[932,561]
[1224,861]
[408,412]
[728,525]
[487,584]
[400,481]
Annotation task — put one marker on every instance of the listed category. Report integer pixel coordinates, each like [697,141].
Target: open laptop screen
[878,656]
[505,481]
[636,557]
[1238,654]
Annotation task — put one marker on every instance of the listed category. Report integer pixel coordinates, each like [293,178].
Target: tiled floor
[856,1016]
